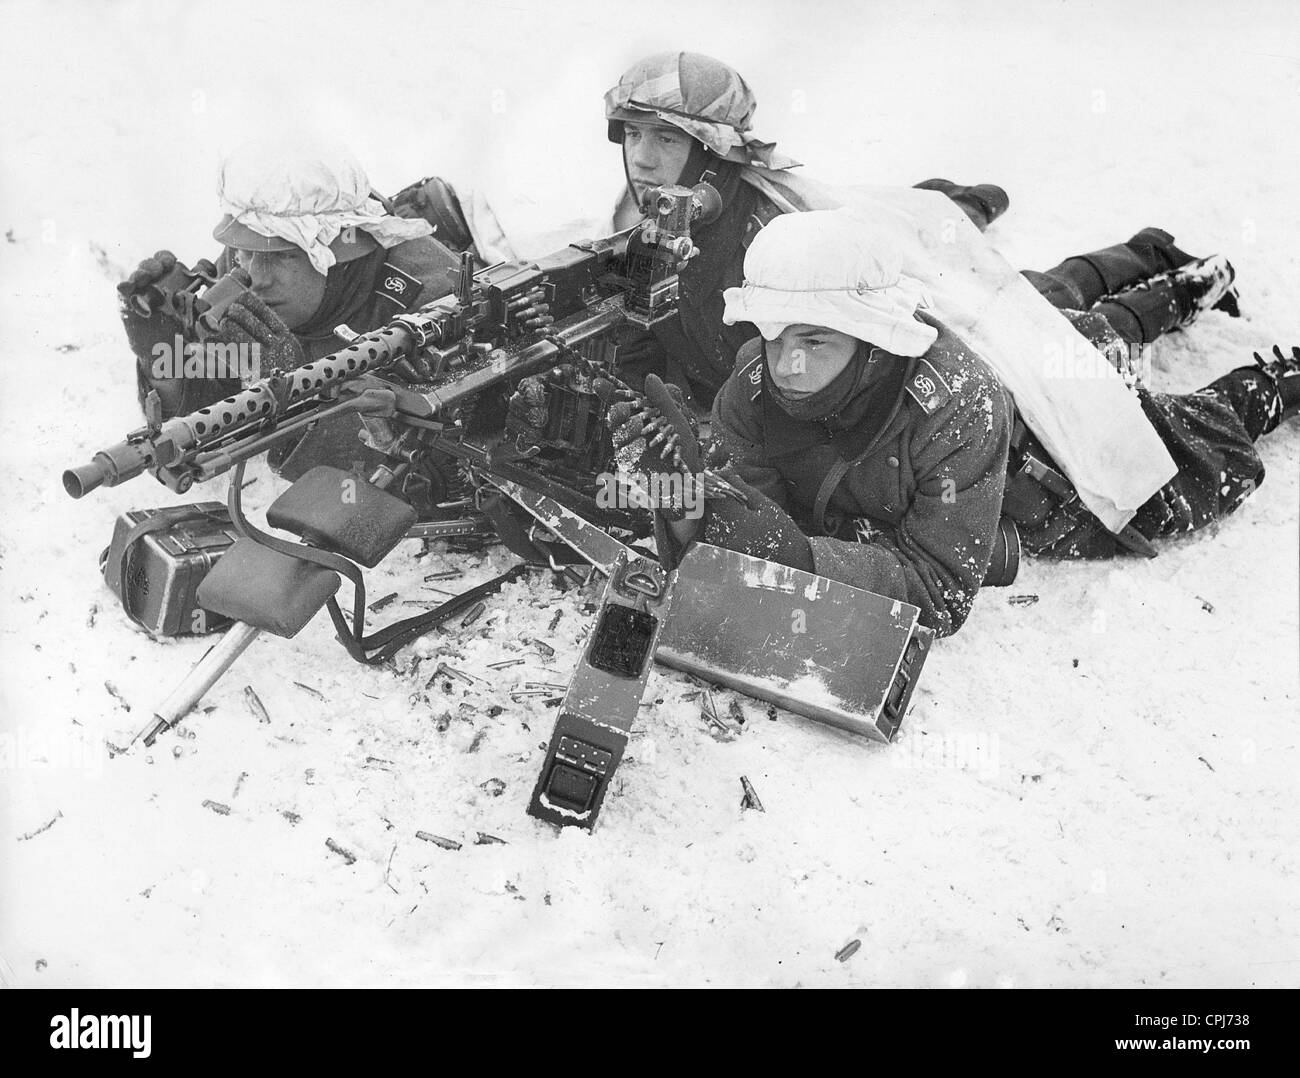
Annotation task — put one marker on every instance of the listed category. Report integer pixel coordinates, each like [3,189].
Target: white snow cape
[1068,394]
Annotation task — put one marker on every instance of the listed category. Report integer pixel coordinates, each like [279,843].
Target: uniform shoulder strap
[841,467]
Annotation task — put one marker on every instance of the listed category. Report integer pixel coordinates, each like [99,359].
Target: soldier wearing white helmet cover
[874,443]
[315,248]
[682,117]
[685,118]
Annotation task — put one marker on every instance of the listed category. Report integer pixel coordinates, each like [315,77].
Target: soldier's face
[287,282]
[655,155]
[804,359]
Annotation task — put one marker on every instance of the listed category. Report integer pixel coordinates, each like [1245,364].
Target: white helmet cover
[826,268]
[305,193]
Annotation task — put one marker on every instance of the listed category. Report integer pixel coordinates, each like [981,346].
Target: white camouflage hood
[308,194]
[826,268]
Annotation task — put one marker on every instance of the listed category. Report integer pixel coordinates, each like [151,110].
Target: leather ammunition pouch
[1043,502]
[435,200]
[1035,486]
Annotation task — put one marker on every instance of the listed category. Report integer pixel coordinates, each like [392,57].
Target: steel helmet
[696,94]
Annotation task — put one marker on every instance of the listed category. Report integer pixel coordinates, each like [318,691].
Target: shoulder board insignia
[398,286]
[927,387]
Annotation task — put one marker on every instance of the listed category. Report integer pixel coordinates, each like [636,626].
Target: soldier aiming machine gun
[416,385]
[500,325]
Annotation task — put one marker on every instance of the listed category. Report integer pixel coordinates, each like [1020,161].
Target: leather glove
[527,411]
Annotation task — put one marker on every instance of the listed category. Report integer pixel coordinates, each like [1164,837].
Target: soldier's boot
[983,203]
[1083,280]
[1168,301]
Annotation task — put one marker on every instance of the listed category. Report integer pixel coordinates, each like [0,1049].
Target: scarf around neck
[844,401]
[348,289]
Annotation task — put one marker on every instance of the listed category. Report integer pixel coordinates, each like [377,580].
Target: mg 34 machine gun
[423,387]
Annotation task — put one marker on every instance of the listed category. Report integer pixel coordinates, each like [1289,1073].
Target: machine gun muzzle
[107,468]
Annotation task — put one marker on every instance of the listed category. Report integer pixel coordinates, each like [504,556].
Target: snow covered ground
[1097,788]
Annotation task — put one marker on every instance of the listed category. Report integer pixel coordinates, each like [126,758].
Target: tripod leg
[206,672]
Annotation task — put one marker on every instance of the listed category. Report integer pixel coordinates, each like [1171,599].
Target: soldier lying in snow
[875,444]
[686,118]
[315,248]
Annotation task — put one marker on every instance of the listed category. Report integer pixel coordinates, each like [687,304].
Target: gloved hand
[656,444]
[147,330]
[1284,372]
[527,411]
[672,424]
[756,526]
[144,330]
[265,342]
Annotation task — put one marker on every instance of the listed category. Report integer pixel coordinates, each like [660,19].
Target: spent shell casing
[750,799]
[438,840]
[347,855]
[255,704]
[847,951]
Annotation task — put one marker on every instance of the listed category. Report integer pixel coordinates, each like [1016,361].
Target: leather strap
[841,467]
[388,640]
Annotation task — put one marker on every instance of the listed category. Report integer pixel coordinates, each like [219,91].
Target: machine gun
[415,384]
[501,324]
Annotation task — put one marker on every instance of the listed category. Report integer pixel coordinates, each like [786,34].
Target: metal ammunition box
[822,649]
[165,567]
